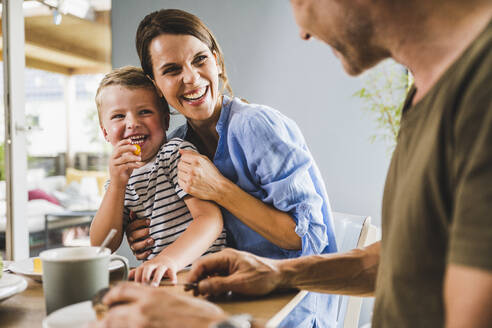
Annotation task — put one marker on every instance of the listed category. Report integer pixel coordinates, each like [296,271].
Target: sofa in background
[76,191]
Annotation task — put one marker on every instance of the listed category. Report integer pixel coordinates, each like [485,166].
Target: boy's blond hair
[130,77]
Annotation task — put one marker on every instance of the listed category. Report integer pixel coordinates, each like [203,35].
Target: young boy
[143,179]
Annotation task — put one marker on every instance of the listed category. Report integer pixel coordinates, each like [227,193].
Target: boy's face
[133,114]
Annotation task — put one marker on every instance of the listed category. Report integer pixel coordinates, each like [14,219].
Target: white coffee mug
[75,274]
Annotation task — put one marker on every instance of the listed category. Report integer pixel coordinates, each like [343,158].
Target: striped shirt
[153,192]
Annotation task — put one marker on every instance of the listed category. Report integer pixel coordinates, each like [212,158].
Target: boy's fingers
[134,165]
[138,274]
[172,275]
[148,271]
[127,157]
[123,142]
[123,149]
[158,274]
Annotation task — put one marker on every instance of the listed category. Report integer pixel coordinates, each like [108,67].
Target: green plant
[383,94]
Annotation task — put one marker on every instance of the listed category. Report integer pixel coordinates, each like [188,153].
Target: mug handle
[123,260]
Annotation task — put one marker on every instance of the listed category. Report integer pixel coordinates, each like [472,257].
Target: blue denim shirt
[264,153]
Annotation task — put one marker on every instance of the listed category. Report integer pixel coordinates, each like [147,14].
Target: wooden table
[27,309]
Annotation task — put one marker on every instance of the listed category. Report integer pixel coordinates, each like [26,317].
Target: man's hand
[236,271]
[144,306]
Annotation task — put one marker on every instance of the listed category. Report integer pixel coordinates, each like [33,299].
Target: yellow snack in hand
[138,150]
[38,266]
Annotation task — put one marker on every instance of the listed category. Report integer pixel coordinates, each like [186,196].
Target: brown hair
[178,22]
[130,77]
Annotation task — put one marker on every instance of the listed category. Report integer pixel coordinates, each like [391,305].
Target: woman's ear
[158,90]
[219,68]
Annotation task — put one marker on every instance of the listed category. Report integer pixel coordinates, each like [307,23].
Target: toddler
[144,179]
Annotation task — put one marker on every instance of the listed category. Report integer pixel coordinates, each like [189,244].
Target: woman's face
[187,73]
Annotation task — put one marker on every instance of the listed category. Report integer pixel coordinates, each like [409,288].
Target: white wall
[268,63]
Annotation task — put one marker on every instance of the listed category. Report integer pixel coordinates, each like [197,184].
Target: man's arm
[467,297]
[351,273]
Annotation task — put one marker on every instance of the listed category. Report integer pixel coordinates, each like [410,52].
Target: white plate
[26,268]
[74,316]
[10,284]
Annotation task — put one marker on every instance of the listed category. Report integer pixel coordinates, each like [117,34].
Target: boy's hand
[152,272]
[123,161]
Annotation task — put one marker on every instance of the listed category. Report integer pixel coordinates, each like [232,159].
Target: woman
[255,162]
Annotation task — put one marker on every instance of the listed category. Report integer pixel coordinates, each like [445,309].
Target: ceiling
[75,46]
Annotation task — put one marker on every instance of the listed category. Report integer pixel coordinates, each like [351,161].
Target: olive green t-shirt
[437,204]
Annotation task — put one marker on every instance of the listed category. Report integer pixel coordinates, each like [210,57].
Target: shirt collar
[224,114]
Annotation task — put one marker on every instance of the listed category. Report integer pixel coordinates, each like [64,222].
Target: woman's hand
[152,271]
[137,234]
[198,176]
[122,162]
[145,306]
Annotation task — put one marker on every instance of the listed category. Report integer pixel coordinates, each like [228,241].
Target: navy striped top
[153,192]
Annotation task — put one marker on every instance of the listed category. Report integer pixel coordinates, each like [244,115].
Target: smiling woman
[254,163]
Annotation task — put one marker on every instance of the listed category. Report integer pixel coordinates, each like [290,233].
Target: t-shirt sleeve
[470,241]
[172,159]
[278,160]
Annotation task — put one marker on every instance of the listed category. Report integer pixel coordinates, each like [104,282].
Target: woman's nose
[190,75]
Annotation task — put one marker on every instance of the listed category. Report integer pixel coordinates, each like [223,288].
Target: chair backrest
[351,231]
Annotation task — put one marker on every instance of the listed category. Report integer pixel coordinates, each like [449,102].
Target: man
[433,267]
